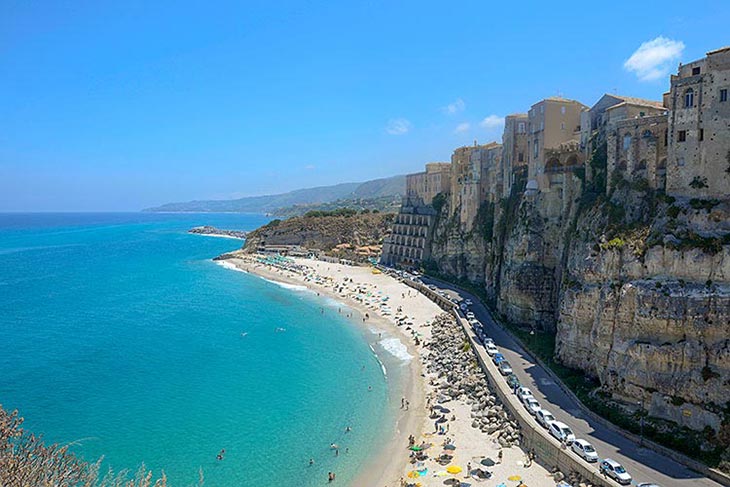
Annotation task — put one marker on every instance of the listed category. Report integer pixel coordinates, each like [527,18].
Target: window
[695,71]
[642,114]
[702,135]
[542,125]
[666,137]
[521,128]
[627,142]
[520,157]
[542,108]
[562,110]
[689,98]
[535,146]
[682,135]
[723,95]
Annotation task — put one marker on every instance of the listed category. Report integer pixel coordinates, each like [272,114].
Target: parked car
[497,358]
[470,315]
[531,405]
[468,301]
[616,471]
[512,380]
[491,349]
[585,450]
[504,368]
[488,340]
[647,484]
[562,432]
[544,417]
[522,393]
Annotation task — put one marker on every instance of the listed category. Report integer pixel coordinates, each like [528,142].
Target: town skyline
[128,122]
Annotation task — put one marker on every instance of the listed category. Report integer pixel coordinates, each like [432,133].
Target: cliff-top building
[514,150]
[472,168]
[554,124]
[421,187]
[698,162]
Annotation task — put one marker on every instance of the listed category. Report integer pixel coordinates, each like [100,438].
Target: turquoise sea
[120,336]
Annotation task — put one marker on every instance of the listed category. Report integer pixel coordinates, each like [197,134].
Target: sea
[121,337]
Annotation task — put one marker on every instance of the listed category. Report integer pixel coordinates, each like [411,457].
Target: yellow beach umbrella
[514,478]
[413,474]
[454,469]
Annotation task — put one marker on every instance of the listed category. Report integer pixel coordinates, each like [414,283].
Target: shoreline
[412,383]
[441,372]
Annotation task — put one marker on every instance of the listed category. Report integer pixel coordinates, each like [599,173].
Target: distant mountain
[377,188]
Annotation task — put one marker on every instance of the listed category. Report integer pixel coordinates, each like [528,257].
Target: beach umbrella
[416,448]
[455,469]
[413,474]
[514,478]
[445,410]
[488,462]
[441,420]
[449,447]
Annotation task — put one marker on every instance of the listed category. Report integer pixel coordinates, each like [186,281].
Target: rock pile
[460,377]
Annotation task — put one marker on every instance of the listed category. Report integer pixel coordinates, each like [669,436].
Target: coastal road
[643,464]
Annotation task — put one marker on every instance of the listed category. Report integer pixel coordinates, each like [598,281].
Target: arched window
[689,98]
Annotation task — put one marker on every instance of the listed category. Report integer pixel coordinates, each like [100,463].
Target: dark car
[513,381]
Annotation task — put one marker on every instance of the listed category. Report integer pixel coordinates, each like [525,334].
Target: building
[637,150]
[514,151]
[469,187]
[408,243]
[423,186]
[698,162]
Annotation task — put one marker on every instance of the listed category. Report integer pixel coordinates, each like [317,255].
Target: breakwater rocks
[208,230]
[459,377]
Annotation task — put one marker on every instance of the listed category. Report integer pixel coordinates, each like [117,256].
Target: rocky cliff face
[323,231]
[635,286]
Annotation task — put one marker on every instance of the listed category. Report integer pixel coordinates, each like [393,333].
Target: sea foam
[285,285]
[396,348]
[230,266]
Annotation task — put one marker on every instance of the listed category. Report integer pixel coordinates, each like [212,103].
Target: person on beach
[402,402]
[408,404]
[499,456]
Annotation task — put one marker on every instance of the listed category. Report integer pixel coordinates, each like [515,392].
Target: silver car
[585,450]
[544,417]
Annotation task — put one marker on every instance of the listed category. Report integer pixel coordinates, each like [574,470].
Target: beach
[383,302]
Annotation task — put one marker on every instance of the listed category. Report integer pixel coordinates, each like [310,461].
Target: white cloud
[462,127]
[492,122]
[310,167]
[455,107]
[398,126]
[653,59]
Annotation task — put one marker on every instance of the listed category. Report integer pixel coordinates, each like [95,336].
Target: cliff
[344,233]
[633,285]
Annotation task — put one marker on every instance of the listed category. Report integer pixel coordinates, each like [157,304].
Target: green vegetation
[346,212]
[439,201]
[700,204]
[484,221]
[691,240]
[699,183]
[26,460]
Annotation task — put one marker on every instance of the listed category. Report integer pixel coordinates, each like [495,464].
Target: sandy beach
[400,311]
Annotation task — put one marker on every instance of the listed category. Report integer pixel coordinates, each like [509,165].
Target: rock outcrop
[208,230]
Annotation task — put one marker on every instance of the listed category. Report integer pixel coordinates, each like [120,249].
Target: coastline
[381,469]
[439,361]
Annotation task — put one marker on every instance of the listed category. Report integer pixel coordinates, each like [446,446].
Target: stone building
[698,163]
[469,187]
[637,149]
[514,150]
[553,122]
[421,187]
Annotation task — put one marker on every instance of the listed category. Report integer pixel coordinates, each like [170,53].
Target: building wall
[421,187]
[699,165]
[468,188]
[514,149]
[407,245]
[552,122]
[637,149]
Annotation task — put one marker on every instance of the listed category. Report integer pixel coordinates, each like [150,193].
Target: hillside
[378,188]
[339,233]
[384,204]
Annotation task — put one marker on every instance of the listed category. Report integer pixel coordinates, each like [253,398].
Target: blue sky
[121,105]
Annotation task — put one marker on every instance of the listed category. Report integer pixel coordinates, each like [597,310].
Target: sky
[118,106]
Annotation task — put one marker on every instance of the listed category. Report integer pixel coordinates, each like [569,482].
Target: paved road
[643,464]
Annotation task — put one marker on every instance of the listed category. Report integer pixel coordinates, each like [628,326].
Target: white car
[504,368]
[470,315]
[468,301]
[522,393]
[585,450]
[532,405]
[488,340]
[491,349]
[614,470]
[561,432]
[544,417]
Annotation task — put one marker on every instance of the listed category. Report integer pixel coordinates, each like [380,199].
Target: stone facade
[698,163]
[514,150]
[637,150]
[468,187]
[552,123]
[423,186]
